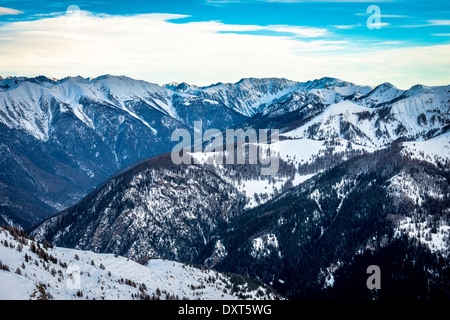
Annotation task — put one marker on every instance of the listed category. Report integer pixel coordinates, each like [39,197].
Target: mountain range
[363,171]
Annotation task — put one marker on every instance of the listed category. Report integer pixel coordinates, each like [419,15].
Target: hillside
[31,270]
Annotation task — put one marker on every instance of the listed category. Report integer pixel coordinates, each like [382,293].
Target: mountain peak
[325,82]
[180,87]
[386,85]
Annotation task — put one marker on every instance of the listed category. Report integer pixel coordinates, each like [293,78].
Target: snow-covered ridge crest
[30,104]
[416,114]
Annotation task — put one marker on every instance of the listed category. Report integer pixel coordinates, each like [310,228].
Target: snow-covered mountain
[248,96]
[36,271]
[62,138]
[361,169]
[418,113]
[156,209]
[334,197]
[383,93]
[392,204]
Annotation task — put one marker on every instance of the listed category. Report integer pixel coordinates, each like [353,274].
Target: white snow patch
[263,246]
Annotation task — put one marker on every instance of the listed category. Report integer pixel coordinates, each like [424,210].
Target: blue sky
[296,39]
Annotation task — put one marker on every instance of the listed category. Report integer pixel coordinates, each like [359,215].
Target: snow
[300,150]
[263,246]
[248,95]
[294,151]
[219,253]
[404,185]
[316,196]
[436,242]
[298,179]
[304,151]
[251,188]
[329,273]
[385,92]
[26,106]
[79,113]
[416,114]
[329,122]
[433,150]
[102,280]
[329,280]
[18,286]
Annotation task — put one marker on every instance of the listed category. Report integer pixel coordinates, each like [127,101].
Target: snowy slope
[27,105]
[383,93]
[435,150]
[73,274]
[248,96]
[62,138]
[416,113]
[332,90]
[300,156]
[340,120]
[65,137]
[355,203]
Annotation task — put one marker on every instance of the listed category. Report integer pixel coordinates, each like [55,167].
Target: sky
[208,41]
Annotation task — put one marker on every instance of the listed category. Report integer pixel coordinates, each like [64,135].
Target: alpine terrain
[363,179]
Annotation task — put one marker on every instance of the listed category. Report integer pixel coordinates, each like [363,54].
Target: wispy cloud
[306,32]
[155,48]
[220,3]
[299,1]
[383,15]
[348,27]
[353,26]
[439,22]
[225,2]
[428,23]
[323,1]
[6,11]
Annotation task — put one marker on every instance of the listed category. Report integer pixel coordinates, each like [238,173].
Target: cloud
[381,24]
[439,22]
[6,11]
[429,23]
[323,1]
[348,27]
[306,32]
[157,49]
[377,25]
[393,16]
[221,2]
[383,15]
[227,2]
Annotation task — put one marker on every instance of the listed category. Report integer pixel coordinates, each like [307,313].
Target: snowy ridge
[435,150]
[248,96]
[27,105]
[383,93]
[296,153]
[418,113]
[59,273]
